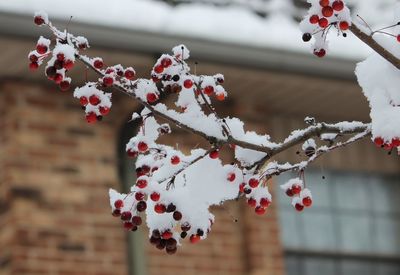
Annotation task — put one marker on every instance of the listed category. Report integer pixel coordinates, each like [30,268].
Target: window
[135,240]
[352,228]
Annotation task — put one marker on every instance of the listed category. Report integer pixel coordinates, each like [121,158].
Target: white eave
[21,25]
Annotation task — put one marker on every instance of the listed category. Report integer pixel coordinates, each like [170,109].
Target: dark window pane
[293,265]
[351,267]
[388,269]
[355,233]
[387,235]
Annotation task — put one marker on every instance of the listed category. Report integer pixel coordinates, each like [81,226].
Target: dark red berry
[41,48]
[344,25]
[188,83]
[208,90]
[260,210]
[170,208]
[307,201]
[94,100]
[324,3]
[141,183]
[177,215]
[38,20]
[142,147]
[158,69]
[132,153]
[108,81]
[323,23]
[231,177]
[289,192]
[64,85]
[129,74]
[296,189]
[68,65]
[166,62]
[185,227]
[214,154]
[299,207]
[136,220]
[314,19]
[98,63]
[338,5]
[83,101]
[91,117]
[159,208]
[327,11]
[119,204]
[252,202]
[264,202]
[126,215]
[104,110]
[151,97]
[116,212]
[253,182]
[128,225]
[139,196]
[141,206]
[33,66]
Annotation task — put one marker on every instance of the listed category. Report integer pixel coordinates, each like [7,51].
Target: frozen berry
[129,73]
[141,206]
[175,160]
[142,147]
[119,204]
[214,154]
[38,20]
[132,153]
[307,201]
[159,208]
[116,213]
[338,5]
[289,192]
[83,101]
[166,62]
[344,25]
[188,83]
[141,183]
[41,48]
[155,196]
[208,90]
[314,19]
[98,63]
[104,110]
[323,23]
[220,97]
[170,208]
[260,210]
[64,85]
[252,202]
[159,69]
[299,207]
[151,97]
[264,202]
[307,37]
[231,177]
[91,117]
[94,100]
[177,215]
[327,11]
[108,81]
[139,196]
[137,220]
[126,215]
[167,235]
[68,65]
[296,189]
[253,183]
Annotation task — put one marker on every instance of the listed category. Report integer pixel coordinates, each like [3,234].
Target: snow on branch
[175,190]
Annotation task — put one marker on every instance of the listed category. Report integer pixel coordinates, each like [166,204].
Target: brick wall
[55,174]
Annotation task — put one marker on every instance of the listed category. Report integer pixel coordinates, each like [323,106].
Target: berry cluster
[301,197]
[95,102]
[257,196]
[387,145]
[323,15]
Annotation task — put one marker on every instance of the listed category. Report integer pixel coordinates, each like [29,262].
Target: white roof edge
[14,24]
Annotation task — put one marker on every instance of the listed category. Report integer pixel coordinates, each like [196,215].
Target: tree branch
[373,44]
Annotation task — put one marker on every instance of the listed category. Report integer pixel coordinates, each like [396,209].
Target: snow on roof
[233,24]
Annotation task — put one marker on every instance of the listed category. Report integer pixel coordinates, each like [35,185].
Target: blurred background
[55,169]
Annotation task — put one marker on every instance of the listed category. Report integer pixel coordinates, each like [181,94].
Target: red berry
[60,57]
[264,202]
[398,38]
[185,227]
[338,5]
[289,192]
[396,142]
[379,141]
[231,177]
[344,25]
[188,83]
[166,235]
[194,239]
[129,74]
[108,81]
[324,3]
[116,213]
[151,97]
[58,78]
[307,201]
[119,204]
[91,117]
[327,11]
[141,206]
[83,101]
[166,62]
[33,58]
[94,100]
[136,220]
[155,196]
[253,183]
[33,66]
[388,146]
[299,207]
[142,147]
[64,85]
[314,19]
[177,215]
[104,110]
[132,153]
[139,196]
[141,183]
[214,154]
[208,90]
[320,53]
[38,20]
[323,23]
[252,202]
[241,187]
[158,69]
[128,225]
[159,208]
[126,215]
[220,97]
[98,63]
[175,160]
[68,65]
[260,210]
[296,189]
[41,49]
